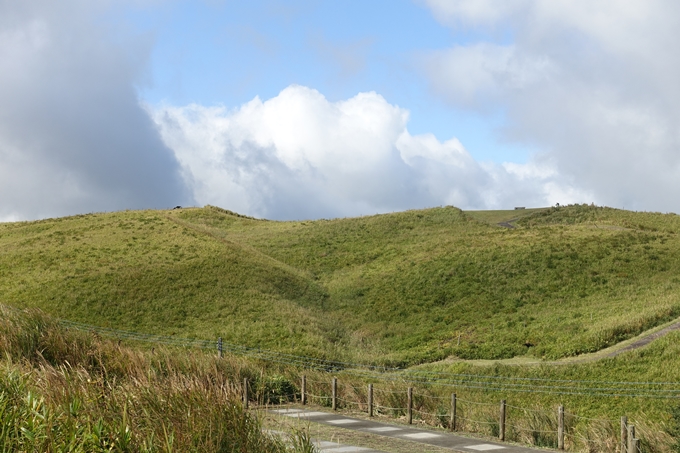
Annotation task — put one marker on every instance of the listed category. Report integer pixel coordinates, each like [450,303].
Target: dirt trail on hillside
[642,340]
[637,344]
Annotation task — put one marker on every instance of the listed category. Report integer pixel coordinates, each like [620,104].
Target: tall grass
[401,288]
[64,390]
[419,286]
[71,391]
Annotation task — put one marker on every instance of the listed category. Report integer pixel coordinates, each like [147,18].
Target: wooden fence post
[245,393]
[370,400]
[409,414]
[631,439]
[335,393]
[560,427]
[501,422]
[303,390]
[624,434]
[219,347]
[453,412]
[636,445]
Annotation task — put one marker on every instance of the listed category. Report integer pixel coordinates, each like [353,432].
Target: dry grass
[69,391]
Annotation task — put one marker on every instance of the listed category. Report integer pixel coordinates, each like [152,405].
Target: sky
[306,109]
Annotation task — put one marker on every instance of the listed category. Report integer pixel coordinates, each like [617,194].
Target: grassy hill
[399,288]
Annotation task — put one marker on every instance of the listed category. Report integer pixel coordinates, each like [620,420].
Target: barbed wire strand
[489,383]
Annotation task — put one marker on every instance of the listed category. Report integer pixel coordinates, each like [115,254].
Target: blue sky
[229,52]
[311,109]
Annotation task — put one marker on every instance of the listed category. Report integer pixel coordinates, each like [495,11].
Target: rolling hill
[400,288]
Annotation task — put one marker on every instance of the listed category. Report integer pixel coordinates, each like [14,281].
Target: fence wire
[593,388]
[634,389]
[396,376]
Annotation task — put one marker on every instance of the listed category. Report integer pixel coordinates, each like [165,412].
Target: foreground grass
[69,391]
[62,390]
[401,289]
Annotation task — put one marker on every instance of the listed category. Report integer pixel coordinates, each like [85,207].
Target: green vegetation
[63,390]
[496,217]
[402,288]
[429,287]
[673,429]
[69,391]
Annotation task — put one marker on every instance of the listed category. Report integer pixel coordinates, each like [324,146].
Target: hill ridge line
[206,230]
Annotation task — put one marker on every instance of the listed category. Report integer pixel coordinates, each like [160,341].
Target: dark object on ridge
[177,207]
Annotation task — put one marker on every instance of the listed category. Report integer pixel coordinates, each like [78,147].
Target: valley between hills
[552,294]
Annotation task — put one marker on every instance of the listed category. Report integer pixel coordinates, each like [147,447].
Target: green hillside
[399,288]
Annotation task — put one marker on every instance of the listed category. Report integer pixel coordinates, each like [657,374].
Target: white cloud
[593,84]
[472,13]
[479,73]
[299,155]
[73,137]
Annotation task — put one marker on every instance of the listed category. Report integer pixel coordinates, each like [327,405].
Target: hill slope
[397,288]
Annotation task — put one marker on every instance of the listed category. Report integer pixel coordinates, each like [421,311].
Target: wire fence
[497,383]
[557,428]
[424,404]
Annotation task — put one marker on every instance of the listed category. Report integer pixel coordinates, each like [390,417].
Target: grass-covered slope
[404,287]
[68,391]
[143,271]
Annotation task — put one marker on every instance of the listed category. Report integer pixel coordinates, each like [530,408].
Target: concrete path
[325,446]
[332,447]
[436,438]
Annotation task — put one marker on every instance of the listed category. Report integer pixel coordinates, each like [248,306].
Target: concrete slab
[287,411]
[334,447]
[307,414]
[343,421]
[345,449]
[485,447]
[383,429]
[323,445]
[420,436]
[408,432]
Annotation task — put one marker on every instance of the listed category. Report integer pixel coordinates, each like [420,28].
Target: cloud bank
[73,136]
[592,84]
[298,155]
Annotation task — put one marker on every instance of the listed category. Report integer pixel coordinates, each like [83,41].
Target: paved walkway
[436,438]
[332,447]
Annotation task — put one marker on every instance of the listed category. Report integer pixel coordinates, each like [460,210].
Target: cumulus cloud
[73,136]
[592,84]
[298,155]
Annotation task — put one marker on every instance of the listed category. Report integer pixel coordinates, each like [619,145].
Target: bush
[277,389]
